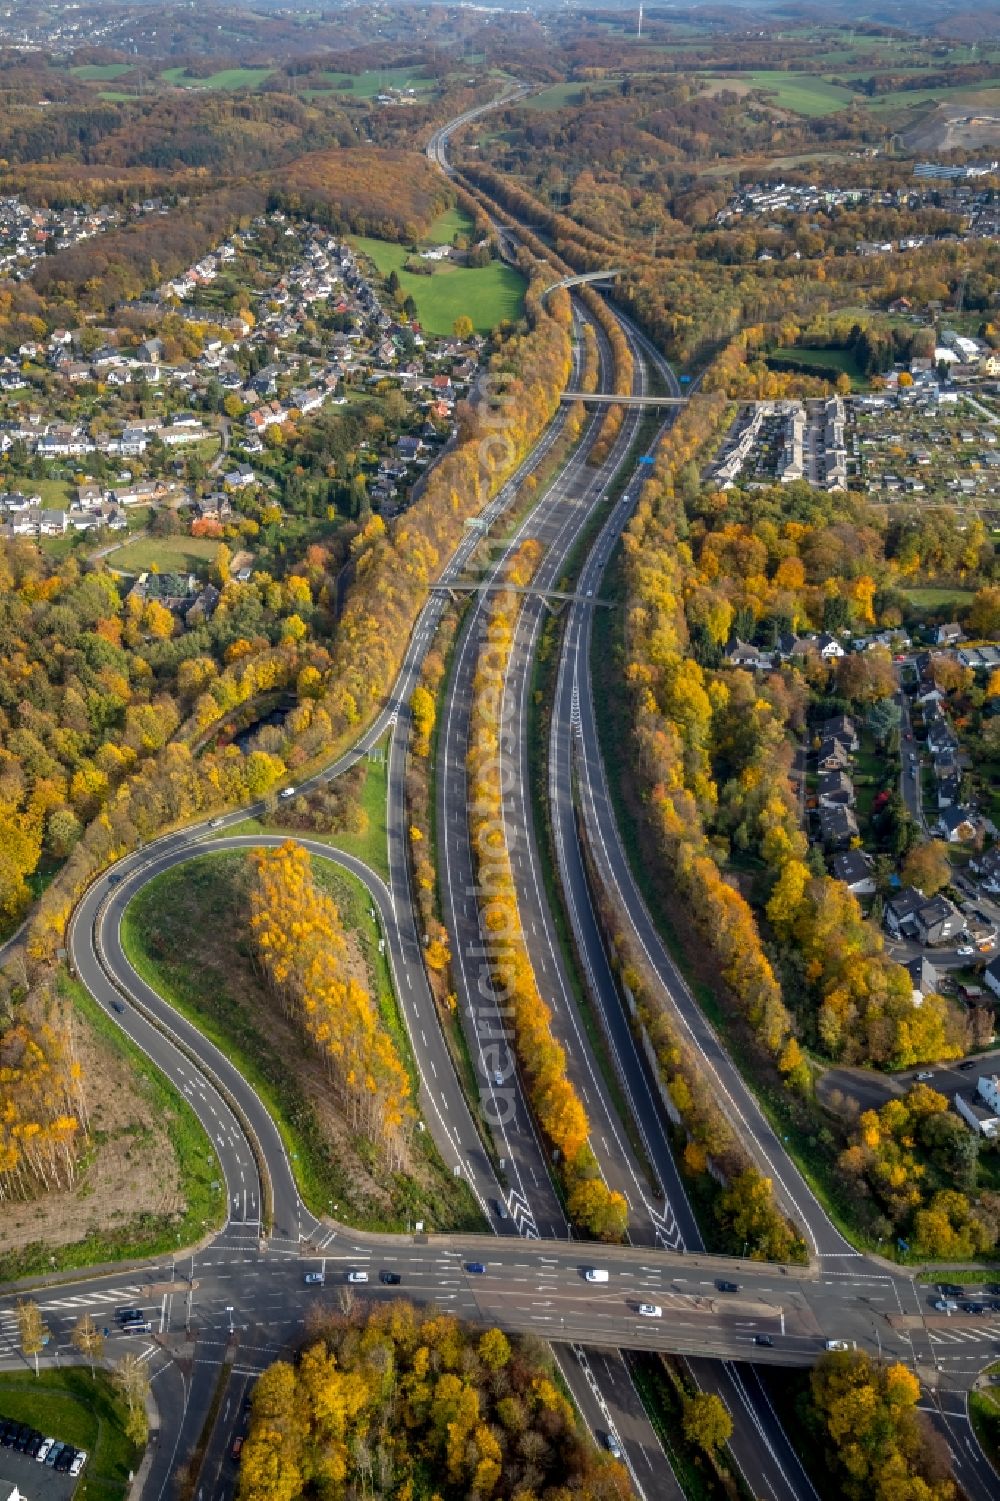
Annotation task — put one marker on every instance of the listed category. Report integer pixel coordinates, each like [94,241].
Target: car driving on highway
[651,1310]
[315,1279]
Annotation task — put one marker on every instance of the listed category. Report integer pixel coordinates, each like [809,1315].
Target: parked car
[973,1307]
[67,1454]
[53,1454]
[45,1449]
[79,1460]
[966,951]
[944,1305]
[950,1289]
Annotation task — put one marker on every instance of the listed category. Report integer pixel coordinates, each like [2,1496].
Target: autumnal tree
[927,867]
[706,1421]
[32,1334]
[88,1339]
[463,327]
[131,1377]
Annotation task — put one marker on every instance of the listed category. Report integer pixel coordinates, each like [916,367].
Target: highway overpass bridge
[610,399]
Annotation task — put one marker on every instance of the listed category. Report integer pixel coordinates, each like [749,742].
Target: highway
[230,1308]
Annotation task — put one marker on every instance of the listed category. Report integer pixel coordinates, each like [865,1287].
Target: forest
[411,1402]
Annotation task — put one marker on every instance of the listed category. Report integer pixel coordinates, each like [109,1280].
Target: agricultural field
[487,294]
[375,81]
[168,554]
[100,72]
[802,93]
[563,95]
[228,78]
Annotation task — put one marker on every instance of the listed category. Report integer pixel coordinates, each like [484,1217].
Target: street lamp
[229,1310]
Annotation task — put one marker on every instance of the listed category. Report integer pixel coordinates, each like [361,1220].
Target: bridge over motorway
[608,399]
[497,586]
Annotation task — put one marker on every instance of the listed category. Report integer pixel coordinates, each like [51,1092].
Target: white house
[983,1120]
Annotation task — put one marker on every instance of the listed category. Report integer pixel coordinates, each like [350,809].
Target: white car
[966,951]
[497,1077]
[287,792]
[43,1452]
[840,1344]
[78,1462]
[612,1445]
[596,1274]
[357,1276]
[651,1310]
[926,1074]
[314,1279]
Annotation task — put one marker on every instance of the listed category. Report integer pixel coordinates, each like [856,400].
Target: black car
[973,1307]
[950,1289]
[36,1443]
[65,1459]
[7,1433]
[391,1279]
[24,1437]
[966,1066]
[129,1315]
[728,1287]
[991,1287]
[764,1339]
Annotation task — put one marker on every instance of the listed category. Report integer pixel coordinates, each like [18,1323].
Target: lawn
[488,294]
[937,599]
[454,221]
[984,1411]
[100,72]
[826,362]
[168,554]
[186,934]
[227,78]
[78,1409]
[803,93]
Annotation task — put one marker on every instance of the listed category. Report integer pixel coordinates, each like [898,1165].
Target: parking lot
[35,1482]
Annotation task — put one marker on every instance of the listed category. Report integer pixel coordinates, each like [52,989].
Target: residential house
[991,976]
[839,727]
[743,654]
[829,647]
[983,1118]
[854,868]
[956,825]
[986,868]
[835,789]
[838,827]
[901,912]
[939,921]
[950,634]
[923,978]
[833,755]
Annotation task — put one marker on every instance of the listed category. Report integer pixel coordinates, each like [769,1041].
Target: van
[596,1274]
[839,1344]
[357,1276]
